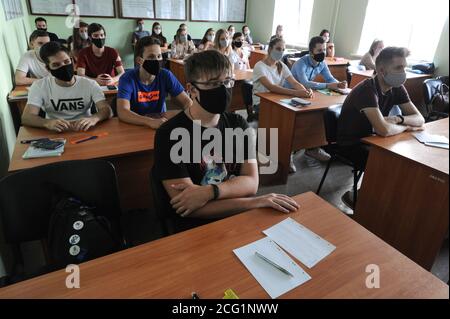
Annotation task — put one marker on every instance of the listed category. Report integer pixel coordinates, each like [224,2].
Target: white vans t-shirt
[32,66]
[271,73]
[68,103]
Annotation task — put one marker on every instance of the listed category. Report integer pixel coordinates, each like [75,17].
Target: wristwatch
[216,191]
[402,119]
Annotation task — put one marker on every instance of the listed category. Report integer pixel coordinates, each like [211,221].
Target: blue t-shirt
[144,98]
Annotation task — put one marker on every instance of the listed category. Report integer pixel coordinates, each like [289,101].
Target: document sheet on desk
[300,242]
[274,282]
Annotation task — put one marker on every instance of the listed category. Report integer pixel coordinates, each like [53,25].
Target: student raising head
[143,90]
[157,33]
[222,42]
[139,32]
[31,67]
[207,42]
[99,62]
[368,60]
[182,46]
[330,48]
[41,24]
[78,40]
[65,98]
[221,183]
[239,56]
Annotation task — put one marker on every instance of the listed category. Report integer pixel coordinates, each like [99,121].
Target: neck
[270,61]
[64,83]
[197,113]
[384,87]
[145,77]
[97,51]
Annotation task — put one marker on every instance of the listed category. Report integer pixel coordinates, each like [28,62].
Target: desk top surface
[202,260]
[319,101]
[409,75]
[17,93]
[407,146]
[122,139]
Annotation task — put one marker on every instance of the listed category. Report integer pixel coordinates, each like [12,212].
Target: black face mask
[319,57]
[215,101]
[64,73]
[99,43]
[152,66]
[238,44]
[42,29]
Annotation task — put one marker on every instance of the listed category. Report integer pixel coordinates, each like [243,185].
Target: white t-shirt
[271,73]
[32,66]
[238,62]
[68,103]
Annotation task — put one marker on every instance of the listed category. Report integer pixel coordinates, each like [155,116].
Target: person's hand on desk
[415,129]
[57,125]
[308,93]
[155,123]
[280,202]
[191,198]
[104,79]
[84,124]
[342,85]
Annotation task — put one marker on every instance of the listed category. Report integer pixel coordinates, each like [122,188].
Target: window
[295,17]
[414,24]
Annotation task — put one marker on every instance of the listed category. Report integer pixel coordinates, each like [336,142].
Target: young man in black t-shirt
[210,183]
[366,109]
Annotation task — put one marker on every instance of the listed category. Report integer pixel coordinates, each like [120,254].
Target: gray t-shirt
[68,103]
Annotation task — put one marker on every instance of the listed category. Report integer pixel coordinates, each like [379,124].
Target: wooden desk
[404,195]
[202,260]
[237,102]
[338,68]
[128,147]
[414,84]
[298,128]
[17,100]
[256,56]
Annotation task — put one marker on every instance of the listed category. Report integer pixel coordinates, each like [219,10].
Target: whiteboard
[204,10]
[233,10]
[49,7]
[96,8]
[137,9]
[170,9]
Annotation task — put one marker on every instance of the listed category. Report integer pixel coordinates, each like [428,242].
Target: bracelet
[216,191]
[402,119]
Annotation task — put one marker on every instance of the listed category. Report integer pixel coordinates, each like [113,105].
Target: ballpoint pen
[284,271]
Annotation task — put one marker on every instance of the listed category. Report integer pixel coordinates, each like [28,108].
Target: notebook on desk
[35,152]
[432,140]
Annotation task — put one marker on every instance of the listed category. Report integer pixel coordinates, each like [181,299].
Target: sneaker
[318,154]
[292,168]
[347,199]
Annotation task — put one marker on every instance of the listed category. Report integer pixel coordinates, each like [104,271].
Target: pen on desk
[85,139]
[273,264]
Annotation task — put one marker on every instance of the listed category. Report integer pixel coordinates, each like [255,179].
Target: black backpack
[77,234]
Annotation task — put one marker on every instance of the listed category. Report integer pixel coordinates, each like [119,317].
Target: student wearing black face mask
[142,91]
[219,183]
[306,70]
[41,24]
[99,62]
[239,55]
[65,98]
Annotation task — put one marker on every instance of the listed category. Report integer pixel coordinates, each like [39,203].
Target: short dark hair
[50,49]
[38,33]
[94,27]
[243,28]
[139,20]
[210,62]
[143,43]
[389,53]
[314,41]
[323,32]
[235,36]
[38,19]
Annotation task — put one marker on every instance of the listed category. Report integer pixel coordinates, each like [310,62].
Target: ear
[140,60]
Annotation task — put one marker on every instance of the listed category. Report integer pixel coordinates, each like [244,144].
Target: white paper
[50,6]
[170,9]
[274,282]
[232,10]
[104,8]
[300,242]
[424,137]
[205,10]
[137,9]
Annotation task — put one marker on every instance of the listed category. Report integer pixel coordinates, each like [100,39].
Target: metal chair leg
[324,175]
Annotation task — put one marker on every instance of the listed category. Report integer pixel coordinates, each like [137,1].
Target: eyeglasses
[228,83]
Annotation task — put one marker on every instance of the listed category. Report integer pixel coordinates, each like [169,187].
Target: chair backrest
[331,117]
[114,106]
[430,88]
[444,79]
[26,197]
[247,93]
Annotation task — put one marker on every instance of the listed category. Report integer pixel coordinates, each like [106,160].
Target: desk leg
[405,204]
[273,116]
[133,178]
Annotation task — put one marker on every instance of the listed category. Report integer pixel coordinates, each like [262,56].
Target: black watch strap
[401,118]
[216,191]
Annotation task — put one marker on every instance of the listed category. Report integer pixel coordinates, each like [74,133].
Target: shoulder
[178,121]
[42,84]
[128,76]
[81,80]
[234,120]
[111,51]
[260,66]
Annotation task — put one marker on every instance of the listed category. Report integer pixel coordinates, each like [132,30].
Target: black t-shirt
[216,166]
[353,124]
[161,39]
[53,37]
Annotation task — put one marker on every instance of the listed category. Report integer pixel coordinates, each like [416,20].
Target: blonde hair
[217,42]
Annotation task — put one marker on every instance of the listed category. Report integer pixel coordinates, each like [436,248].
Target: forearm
[24,81]
[241,186]
[390,129]
[224,208]
[117,77]
[281,90]
[415,120]
[33,120]
[103,114]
